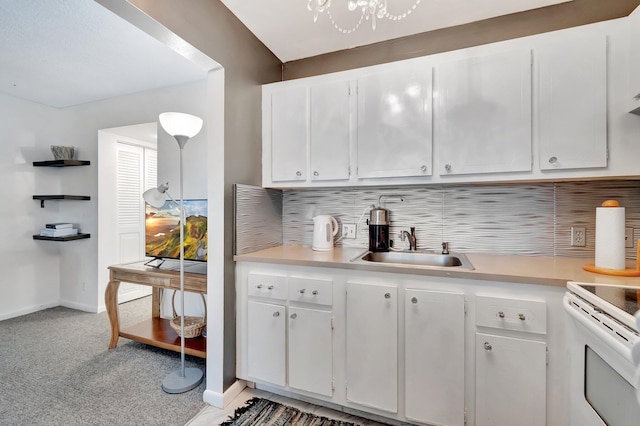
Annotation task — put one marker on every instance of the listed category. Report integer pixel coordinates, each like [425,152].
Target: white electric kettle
[325,227]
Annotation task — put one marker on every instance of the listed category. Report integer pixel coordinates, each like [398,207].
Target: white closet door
[130,181]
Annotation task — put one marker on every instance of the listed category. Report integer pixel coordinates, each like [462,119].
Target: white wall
[30,268]
[41,274]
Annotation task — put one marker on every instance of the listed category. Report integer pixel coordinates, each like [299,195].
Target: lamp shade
[180,124]
[156,196]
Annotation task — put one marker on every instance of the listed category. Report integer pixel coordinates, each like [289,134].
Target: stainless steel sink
[417,258]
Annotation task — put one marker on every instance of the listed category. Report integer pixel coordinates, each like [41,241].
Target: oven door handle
[612,342]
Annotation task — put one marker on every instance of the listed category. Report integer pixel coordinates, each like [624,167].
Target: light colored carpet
[55,369]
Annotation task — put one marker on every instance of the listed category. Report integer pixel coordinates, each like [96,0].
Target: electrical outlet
[628,237]
[578,236]
[349,230]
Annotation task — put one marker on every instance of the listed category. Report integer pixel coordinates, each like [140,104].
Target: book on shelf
[64,232]
[59,225]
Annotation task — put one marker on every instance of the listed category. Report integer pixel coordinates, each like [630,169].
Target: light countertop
[553,271]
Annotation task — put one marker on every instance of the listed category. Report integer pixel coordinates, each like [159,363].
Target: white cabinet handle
[487,346]
[414,300]
[293,316]
[501,314]
[522,317]
[553,160]
[276,314]
[387,295]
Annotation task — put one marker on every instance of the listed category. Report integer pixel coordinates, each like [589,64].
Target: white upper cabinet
[330,131]
[394,123]
[306,132]
[634,69]
[572,104]
[287,132]
[483,114]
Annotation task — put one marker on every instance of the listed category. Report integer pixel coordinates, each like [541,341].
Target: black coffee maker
[379,229]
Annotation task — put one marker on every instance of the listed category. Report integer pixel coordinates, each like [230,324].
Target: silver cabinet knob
[298,173]
[522,317]
[270,287]
[387,295]
[553,160]
[316,173]
[276,314]
[423,168]
[414,300]
[259,286]
[293,316]
[487,346]
[447,167]
[302,291]
[501,314]
[314,292]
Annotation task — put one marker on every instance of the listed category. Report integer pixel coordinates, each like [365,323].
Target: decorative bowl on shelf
[62,152]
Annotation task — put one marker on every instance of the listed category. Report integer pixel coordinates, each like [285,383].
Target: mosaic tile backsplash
[526,219]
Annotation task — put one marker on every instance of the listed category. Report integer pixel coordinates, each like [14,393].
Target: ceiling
[286,27]
[62,53]
[68,52]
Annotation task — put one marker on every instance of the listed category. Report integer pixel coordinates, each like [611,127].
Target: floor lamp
[182,127]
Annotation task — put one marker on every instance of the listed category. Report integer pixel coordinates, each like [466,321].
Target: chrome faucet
[445,248]
[411,236]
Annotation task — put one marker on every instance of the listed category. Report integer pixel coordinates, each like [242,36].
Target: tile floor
[211,416]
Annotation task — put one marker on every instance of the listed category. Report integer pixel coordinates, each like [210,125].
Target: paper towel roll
[610,252]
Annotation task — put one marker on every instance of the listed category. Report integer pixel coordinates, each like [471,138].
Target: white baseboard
[29,310]
[219,400]
[79,306]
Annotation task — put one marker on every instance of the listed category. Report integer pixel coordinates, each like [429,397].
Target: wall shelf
[67,238]
[61,163]
[43,198]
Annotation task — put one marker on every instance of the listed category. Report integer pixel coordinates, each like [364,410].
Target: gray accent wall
[525,219]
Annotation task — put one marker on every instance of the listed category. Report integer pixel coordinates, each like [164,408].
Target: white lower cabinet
[510,381]
[266,342]
[372,345]
[310,350]
[434,357]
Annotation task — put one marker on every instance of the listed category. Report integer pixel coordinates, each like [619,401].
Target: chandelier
[369,10]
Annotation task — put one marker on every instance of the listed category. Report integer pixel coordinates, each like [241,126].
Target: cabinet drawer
[272,286]
[311,290]
[512,314]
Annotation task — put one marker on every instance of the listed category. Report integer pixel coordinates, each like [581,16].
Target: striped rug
[262,412]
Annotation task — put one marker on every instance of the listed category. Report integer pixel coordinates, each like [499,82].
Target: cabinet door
[372,346]
[572,105]
[483,114]
[289,134]
[266,342]
[634,61]
[330,131]
[434,357]
[510,381]
[310,350]
[394,124]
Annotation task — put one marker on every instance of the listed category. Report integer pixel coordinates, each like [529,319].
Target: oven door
[601,376]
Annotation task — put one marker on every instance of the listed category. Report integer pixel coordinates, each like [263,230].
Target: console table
[155,331]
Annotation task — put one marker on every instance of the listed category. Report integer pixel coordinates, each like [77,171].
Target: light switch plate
[628,237]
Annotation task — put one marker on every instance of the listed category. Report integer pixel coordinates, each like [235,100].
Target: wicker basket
[193,326]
